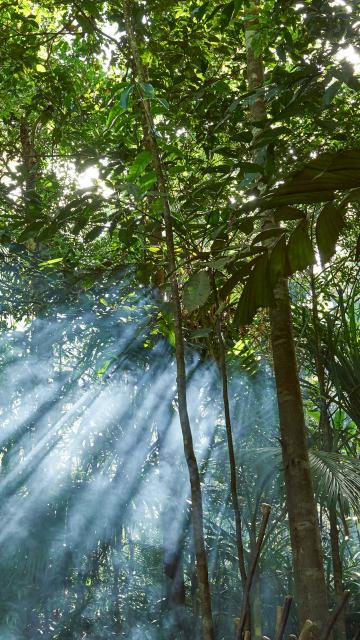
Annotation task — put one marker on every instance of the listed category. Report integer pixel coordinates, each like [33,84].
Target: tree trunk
[116,551]
[230,442]
[340,626]
[304,528]
[193,469]
[30,165]
[174,523]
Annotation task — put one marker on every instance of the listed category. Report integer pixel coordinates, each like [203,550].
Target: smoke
[94,491]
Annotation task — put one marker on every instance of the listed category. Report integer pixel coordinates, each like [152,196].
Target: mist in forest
[94,488]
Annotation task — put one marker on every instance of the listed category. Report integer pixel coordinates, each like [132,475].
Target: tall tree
[303,521]
[194,475]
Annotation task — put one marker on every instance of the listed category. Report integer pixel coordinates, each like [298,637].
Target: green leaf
[246,226]
[100,372]
[140,163]
[84,23]
[266,234]
[352,196]
[227,12]
[330,93]
[300,249]
[199,12]
[48,232]
[219,263]
[329,225]
[163,102]
[288,213]
[94,233]
[31,230]
[320,177]
[49,263]
[270,135]
[196,290]
[80,224]
[125,96]
[148,90]
[201,333]
[257,292]
[238,5]
[279,265]
[147,180]
[250,167]
[242,270]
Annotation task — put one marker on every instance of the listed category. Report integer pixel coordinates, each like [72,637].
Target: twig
[284,617]
[325,634]
[265,508]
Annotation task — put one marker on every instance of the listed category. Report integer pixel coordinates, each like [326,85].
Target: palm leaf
[335,476]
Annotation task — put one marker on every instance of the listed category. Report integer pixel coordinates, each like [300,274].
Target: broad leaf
[279,264]
[288,213]
[319,178]
[148,89]
[271,232]
[204,332]
[243,269]
[328,228]
[300,249]
[125,96]
[140,163]
[257,292]
[196,290]
[330,93]
[94,233]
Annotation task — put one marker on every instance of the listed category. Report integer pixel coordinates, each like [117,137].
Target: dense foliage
[96,538]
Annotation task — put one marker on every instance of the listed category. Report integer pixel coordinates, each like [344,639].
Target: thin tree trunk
[29,162]
[116,550]
[174,526]
[304,528]
[229,437]
[195,484]
[256,615]
[340,626]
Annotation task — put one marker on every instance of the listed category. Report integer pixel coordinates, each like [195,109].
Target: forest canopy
[179,320]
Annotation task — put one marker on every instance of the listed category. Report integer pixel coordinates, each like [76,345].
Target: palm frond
[335,476]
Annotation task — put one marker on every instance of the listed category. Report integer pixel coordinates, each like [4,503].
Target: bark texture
[193,469]
[303,521]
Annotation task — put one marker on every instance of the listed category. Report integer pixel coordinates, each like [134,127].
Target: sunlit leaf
[48,263]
